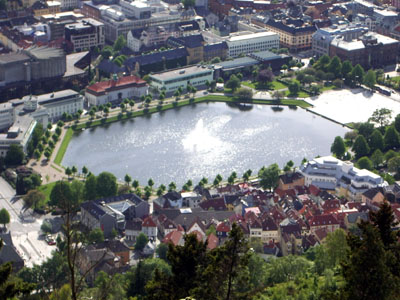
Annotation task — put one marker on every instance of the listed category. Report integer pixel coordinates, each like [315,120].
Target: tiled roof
[216,204]
[148,222]
[223,227]
[212,241]
[322,220]
[288,178]
[103,86]
[135,224]
[173,237]
[371,193]
[94,209]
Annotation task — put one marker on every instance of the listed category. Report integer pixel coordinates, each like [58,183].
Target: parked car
[49,240]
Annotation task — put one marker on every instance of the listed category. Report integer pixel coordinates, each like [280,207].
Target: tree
[244,94]
[91,187]
[15,155]
[131,104]
[150,183]
[338,147]
[106,52]
[360,146]
[96,236]
[188,3]
[370,79]
[161,251]
[376,141]
[127,179]
[74,170]
[85,171]
[397,123]
[135,184]
[278,95]
[381,117]
[4,217]
[336,247]
[33,198]
[269,177]
[294,88]
[338,83]
[106,185]
[335,66]
[61,195]
[119,43]
[365,163]
[347,67]
[365,129]
[391,138]
[358,73]
[141,242]
[68,171]
[171,187]
[377,158]
[233,83]
[265,76]
[394,165]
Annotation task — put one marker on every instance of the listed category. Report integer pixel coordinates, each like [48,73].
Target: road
[24,227]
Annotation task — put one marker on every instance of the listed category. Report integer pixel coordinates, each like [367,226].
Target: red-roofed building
[212,241]
[223,229]
[174,237]
[329,222]
[116,90]
[149,227]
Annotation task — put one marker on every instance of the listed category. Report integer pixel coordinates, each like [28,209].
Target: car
[49,240]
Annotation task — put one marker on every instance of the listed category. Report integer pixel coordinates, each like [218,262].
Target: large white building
[85,34]
[172,80]
[331,174]
[254,42]
[116,90]
[6,115]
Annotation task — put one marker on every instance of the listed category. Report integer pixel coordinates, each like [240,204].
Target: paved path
[24,227]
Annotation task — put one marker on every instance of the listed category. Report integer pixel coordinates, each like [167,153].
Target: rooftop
[251,36]
[180,73]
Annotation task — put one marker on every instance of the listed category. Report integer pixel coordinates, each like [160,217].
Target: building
[327,222]
[69,4]
[371,50]
[331,174]
[323,37]
[50,107]
[19,133]
[293,34]
[57,22]
[85,34]
[170,81]
[6,115]
[253,42]
[113,212]
[8,253]
[43,8]
[116,90]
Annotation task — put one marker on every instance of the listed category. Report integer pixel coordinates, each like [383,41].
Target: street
[24,227]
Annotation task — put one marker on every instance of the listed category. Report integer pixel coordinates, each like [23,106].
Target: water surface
[202,140]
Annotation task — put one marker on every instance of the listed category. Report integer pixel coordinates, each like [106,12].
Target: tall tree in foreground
[338,147]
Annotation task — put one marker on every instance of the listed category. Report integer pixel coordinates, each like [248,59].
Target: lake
[202,140]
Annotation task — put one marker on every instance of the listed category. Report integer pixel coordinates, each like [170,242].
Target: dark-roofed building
[8,253]
[194,45]
[290,180]
[133,228]
[215,50]
[116,247]
[328,222]
[113,212]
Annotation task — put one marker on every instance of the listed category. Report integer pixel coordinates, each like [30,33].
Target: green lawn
[300,95]
[63,146]
[277,85]
[46,189]
[396,79]
[274,85]
[327,88]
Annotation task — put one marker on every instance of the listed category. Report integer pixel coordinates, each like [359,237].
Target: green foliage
[338,147]
[106,52]
[365,163]
[335,67]
[4,217]
[233,83]
[15,155]
[91,187]
[188,3]
[397,123]
[377,158]
[381,116]
[294,88]
[391,138]
[376,141]
[96,236]
[119,43]
[269,176]
[370,79]
[141,242]
[358,74]
[162,250]
[61,196]
[244,94]
[33,198]
[360,147]
[106,185]
[365,129]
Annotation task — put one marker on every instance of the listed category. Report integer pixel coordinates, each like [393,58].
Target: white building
[85,34]
[69,4]
[172,80]
[6,115]
[253,42]
[116,90]
[332,174]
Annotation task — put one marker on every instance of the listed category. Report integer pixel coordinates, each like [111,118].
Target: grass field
[63,146]
[327,88]
[46,189]
[274,85]
[396,79]
[300,95]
